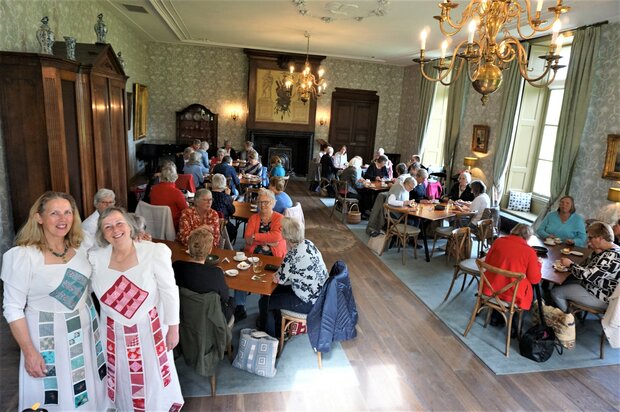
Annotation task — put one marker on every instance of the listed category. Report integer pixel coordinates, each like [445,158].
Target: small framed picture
[611,169]
[480,139]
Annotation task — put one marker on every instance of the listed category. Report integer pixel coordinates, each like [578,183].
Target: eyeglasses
[263,202]
[111,203]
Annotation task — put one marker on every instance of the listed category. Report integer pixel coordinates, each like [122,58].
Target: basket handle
[354,205]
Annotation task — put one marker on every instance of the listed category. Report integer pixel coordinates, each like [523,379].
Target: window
[436,131]
[535,133]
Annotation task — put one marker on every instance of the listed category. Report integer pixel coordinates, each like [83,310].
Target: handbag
[539,341]
[377,243]
[257,353]
[354,216]
[563,324]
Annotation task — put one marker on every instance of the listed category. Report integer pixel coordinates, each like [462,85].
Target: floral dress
[190,220]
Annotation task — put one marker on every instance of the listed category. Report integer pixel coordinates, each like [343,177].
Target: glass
[257,265]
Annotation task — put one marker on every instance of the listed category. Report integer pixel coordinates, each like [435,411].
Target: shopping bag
[257,353]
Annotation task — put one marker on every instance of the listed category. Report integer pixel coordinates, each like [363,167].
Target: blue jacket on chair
[334,315]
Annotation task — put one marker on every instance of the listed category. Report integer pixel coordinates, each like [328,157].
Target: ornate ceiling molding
[343,10]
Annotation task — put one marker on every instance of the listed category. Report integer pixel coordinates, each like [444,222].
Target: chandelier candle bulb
[557,26]
[559,43]
[472,30]
[423,39]
[444,47]
[539,6]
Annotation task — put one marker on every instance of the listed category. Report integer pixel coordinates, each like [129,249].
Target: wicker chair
[399,228]
[341,198]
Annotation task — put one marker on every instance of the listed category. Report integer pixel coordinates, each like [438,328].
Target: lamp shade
[470,161]
[614,194]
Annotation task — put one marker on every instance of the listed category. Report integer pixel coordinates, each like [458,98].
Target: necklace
[60,255]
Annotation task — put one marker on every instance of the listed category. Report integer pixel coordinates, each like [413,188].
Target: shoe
[240,313]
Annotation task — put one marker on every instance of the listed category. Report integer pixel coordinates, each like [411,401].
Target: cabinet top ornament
[101,29]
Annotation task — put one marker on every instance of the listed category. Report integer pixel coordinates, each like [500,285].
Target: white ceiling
[277,25]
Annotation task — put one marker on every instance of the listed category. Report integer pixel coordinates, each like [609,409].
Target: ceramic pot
[70,42]
[101,30]
[45,36]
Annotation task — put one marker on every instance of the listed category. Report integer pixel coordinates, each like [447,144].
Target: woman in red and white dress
[135,284]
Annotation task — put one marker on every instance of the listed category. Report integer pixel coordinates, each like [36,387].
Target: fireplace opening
[294,147]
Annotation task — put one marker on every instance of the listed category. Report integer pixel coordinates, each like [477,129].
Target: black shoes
[240,313]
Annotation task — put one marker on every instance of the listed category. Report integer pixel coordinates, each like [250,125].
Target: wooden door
[354,121]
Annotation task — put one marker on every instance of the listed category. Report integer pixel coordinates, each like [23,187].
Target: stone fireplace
[295,146]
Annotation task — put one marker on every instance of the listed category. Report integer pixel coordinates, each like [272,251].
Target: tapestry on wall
[273,101]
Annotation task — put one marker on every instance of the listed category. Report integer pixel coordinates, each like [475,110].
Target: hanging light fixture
[486,56]
[307,85]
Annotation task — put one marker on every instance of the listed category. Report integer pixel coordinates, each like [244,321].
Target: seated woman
[594,281]
[300,279]
[565,224]
[223,202]
[195,168]
[248,146]
[461,191]
[481,201]
[283,201]
[276,167]
[199,215]
[353,176]
[198,277]
[377,169]
[253,166]
[514,254]
[165,193]
[328,168]
[263,235]
[217,159]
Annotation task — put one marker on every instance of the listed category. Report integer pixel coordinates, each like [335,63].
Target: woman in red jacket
[165,193]
[514,254]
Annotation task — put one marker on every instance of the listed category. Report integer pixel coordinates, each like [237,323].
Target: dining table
[244,210]
[554,253]
[246,280]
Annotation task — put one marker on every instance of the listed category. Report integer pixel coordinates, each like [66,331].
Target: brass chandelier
[487,56]
[307,84]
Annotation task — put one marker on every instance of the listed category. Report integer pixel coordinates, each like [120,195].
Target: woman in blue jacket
[565,224]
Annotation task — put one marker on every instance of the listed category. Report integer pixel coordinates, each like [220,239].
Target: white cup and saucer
[240,256]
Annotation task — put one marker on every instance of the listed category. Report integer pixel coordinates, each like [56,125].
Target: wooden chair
[158,220]
[462,220]
[574,308]
[461,248]
[286,179]
[288,318]
[225,242]
[341,198]
[397,226]
[493,302]
[484,235]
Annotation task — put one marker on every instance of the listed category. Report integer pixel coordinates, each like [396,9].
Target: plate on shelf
[197,116]
[188,116]
[243,266]
[232,272]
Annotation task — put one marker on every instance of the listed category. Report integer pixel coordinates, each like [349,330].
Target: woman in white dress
[50,312]
[135,284]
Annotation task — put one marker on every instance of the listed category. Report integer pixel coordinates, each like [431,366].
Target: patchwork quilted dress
[63,325]
[137,305]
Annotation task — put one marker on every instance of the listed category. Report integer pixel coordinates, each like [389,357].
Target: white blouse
[150,284]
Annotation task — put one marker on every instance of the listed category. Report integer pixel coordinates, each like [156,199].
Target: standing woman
[134,282]
[50,312]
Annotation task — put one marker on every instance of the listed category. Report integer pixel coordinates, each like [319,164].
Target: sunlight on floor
[326,377]
[384,390]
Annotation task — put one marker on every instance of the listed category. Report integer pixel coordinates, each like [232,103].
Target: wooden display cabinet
[196,122]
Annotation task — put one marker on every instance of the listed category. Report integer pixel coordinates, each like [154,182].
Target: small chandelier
[485,56]
[307,84]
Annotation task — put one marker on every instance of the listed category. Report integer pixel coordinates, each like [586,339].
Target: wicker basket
[354,216]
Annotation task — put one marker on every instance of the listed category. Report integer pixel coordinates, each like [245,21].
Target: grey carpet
[430,282]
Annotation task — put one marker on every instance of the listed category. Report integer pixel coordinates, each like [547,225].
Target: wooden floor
[404,357]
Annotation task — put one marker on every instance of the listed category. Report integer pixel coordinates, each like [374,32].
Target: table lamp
[469,162]
[613,194]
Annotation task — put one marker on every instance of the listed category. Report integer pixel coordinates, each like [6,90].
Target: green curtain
[427,92]
[574,110]
[510,102]
[454,114]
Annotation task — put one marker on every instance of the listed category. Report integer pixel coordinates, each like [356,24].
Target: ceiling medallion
[343,10]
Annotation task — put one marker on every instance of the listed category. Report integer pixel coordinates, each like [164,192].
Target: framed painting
[480,139]
[611,169]
[141,106]
[129,108]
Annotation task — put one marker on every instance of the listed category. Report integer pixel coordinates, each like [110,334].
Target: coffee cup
[240,255]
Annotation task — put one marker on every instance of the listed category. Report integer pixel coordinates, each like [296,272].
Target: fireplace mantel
[301,144]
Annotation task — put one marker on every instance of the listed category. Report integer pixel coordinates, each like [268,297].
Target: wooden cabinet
[196,122]
[354,121]
[63,125]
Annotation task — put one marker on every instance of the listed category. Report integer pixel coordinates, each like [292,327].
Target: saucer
[560,268]
[549,242]
[232,272]
[243,266]
[576,253]
[240,258]
[565,252]
[253,259]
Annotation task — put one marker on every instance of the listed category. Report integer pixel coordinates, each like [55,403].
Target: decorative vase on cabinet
[45,36]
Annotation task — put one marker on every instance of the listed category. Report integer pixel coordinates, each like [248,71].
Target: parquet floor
[404,357]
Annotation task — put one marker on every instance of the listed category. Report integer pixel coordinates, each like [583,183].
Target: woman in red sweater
[263,234]
[514,254]
[165,193]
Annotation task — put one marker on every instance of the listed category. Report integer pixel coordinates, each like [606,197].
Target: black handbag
[539,341]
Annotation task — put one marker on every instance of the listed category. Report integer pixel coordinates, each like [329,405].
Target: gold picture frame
[611,169]
[141,106]
[480,139]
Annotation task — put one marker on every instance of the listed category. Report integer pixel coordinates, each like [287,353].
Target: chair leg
[454,278]
[473,317]
[318,355]
[602,353]
[213,383]
[508,333]
[415,247]
[285,323]
[434,242]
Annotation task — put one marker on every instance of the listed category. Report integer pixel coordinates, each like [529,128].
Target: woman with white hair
[199,215]
[461,191]
[353,176]
[253,166]
[196,169]
[300,278]
[481,201]
[165,193]
[204,151]
[223,202]
[217,159]
[104,198]
[328,168]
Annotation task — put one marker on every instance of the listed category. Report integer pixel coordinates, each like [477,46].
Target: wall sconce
[322,121]
[234,115]
[469,162]
[613,194]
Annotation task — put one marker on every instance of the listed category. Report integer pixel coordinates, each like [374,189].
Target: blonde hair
[31,234]
[601,229]
[277,183]
[200,243]
[275,160]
